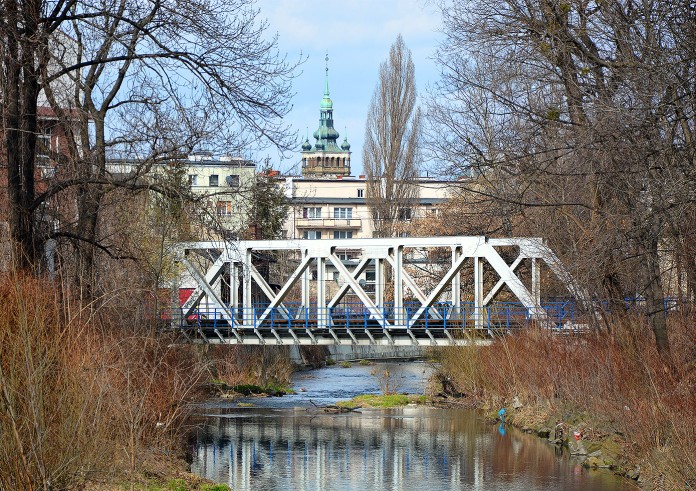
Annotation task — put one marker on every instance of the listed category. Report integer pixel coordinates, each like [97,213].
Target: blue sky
[357,34]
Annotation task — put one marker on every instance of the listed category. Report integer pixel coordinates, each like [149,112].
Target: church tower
[326,158]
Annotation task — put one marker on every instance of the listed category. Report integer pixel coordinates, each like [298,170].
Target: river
[285,443]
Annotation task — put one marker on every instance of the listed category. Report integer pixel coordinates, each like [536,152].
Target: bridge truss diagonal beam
[199,292]
[413,286]
[212,295]
[364,297]
[359,269]
[277,299]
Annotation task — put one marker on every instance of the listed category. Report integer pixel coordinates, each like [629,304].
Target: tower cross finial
[326,85]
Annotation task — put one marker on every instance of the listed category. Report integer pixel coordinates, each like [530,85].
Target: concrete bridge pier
[341,353]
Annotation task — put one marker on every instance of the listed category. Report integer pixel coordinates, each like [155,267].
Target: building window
[361,193]
[193,179]
[213,180]
[224,208]
[404,213]
[312,234]
[343,213]
[232,181]
[343,255]
[311,212]
[343,234]
[43,140]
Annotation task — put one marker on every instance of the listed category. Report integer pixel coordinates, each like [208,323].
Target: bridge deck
[359,333]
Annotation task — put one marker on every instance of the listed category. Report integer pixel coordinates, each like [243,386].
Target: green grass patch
[178,485]
[274,388]
[271,389]
[345,364]
[365,363]
[374,400]
[247,389]
[215,487]
[383,401]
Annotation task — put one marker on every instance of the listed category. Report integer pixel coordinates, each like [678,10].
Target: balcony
[338,223]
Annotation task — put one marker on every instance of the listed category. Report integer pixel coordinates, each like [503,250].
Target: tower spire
[326,157]
[326,78]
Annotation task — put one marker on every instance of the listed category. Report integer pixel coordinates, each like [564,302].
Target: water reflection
[405,449]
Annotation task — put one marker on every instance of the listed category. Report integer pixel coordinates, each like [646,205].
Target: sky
[357,35]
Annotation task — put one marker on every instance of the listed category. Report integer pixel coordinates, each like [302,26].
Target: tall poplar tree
[392,136]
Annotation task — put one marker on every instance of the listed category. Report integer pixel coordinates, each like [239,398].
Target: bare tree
[581,117]
[392,136]
[148,80]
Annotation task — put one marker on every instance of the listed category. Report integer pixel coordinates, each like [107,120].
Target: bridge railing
[561,314]
[495,316]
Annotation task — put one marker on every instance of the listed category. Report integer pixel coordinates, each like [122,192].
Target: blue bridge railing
[560,314]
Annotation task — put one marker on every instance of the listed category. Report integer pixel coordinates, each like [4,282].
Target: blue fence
[561,314]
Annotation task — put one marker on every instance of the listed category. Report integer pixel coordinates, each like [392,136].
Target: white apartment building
[336,208]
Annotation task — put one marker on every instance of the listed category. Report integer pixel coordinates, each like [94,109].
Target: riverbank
[158,471]
[610,399]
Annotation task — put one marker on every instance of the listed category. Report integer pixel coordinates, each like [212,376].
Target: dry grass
[258,365]
[615,383]
[79,397]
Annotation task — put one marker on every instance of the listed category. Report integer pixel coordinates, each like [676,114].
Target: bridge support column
[306,276]
[247,300]
[399,314]
[379,282]
[322,314]
[479,318]
[234,289]
[456,286]
[536,284]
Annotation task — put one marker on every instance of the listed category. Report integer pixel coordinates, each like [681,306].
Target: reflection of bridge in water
[309,448]
[406,449]
[401,291]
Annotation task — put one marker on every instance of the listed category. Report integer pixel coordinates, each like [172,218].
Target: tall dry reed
[80,397]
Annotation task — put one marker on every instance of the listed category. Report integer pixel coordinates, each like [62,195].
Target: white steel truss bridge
[429,291]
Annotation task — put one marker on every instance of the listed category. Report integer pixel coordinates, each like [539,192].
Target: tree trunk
[20,118]
[655,299]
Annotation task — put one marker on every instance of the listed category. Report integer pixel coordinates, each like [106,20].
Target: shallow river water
[287,444]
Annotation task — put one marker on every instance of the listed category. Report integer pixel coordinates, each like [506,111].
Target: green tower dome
[306,146]
[345,145]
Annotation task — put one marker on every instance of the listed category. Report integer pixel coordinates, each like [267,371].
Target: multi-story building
[224,183]
[337,208]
